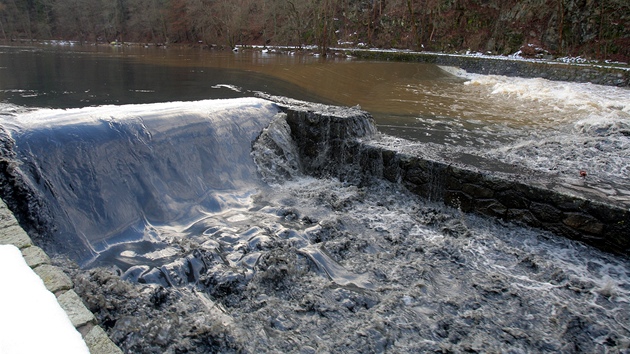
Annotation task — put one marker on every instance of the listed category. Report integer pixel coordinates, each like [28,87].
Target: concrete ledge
[57,282]
[15,235]
[54,278]
[35,256]
[596,74]
[6,217]
[76,310]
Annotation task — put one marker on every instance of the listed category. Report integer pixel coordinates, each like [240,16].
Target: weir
[266,224]
[85,180]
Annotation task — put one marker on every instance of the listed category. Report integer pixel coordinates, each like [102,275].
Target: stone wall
[604,75]
[508,197]
[353,153]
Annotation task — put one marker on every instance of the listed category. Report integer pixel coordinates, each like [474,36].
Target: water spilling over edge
[318,264]
[115,174]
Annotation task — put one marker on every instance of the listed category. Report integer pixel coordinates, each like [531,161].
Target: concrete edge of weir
[502,192]
[57,282]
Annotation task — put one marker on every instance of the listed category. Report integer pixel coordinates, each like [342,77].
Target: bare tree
[147,20]
[3,9]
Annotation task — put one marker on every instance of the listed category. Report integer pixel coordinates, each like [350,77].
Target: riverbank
[57,282]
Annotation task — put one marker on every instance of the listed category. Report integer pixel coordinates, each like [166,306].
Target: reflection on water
[69,78]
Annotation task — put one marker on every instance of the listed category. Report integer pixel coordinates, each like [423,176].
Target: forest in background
[588,28]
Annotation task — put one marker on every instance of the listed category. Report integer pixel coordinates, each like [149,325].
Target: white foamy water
[569,101]
[320,264]
[553,126]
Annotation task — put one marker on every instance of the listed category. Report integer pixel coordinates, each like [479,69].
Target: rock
[491,207]
[99,343]
[524,216]
[477,191]
[77,312]
[546,212]
[35,256]
[512,199]
[583,222]
[54,278]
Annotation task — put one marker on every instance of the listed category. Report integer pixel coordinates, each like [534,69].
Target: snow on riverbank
[31,319]
[518,56]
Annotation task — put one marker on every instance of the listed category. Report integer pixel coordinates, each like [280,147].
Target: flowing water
[152,168]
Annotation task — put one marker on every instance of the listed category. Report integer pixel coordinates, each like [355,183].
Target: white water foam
[558,127]
[578,100]
[312,260]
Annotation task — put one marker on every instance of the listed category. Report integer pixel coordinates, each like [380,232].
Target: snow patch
[32,320]
[229,87]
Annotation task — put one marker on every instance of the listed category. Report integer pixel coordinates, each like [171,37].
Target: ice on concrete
[31,320]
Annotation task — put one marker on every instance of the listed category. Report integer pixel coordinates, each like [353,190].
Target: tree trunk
[414,25]
[3,33]
[560,24]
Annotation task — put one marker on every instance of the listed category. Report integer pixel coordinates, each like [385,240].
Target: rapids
[199,230]
[577,126]
[195,226]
